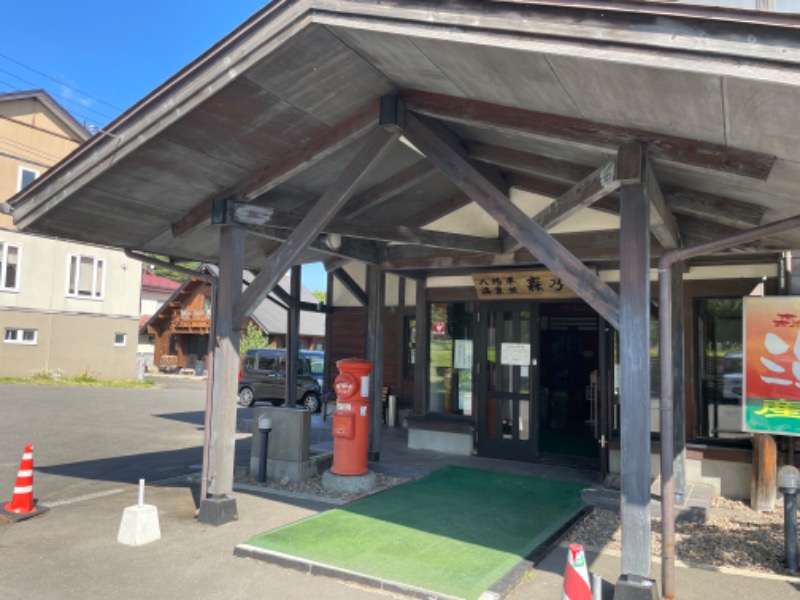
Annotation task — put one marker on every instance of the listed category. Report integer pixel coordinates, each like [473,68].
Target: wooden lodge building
[541,218]
[181,327]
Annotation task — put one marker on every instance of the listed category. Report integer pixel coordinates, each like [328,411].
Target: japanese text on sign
[520,284]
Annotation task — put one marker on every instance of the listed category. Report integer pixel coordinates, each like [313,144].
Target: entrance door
[571,417]
[505,367]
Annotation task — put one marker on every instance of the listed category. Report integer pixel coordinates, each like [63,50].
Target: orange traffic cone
[576,576]
[22,502]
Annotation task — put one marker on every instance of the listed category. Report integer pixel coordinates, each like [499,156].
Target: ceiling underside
[538,98]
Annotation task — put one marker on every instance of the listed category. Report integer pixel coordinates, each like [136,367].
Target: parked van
[263,376]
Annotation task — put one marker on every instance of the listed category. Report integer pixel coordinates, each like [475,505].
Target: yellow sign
[512,285]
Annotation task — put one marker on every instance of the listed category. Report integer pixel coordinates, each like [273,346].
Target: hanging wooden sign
[516,285]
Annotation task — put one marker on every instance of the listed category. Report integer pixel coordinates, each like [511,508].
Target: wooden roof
[538,95]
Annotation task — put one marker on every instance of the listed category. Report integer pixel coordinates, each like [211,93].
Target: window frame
[19,337]
[96,260]
[23,169]
[124,339]
[4,246]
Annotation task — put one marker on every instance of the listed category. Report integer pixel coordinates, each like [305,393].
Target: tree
[320,295]
[252,338]
[168,273]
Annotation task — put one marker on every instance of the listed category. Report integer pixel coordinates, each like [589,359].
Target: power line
[64,98]
[25,148]
[24,66]
[74,113]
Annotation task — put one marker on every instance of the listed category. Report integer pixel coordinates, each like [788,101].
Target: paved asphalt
[92,445]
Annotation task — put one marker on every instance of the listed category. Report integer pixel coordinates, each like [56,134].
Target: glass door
[505,373]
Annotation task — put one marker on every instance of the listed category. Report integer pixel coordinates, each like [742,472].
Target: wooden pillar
[293,336]
[421,350]
[219,508]
[635,364]
[764,481]
[679,398]
[376,290]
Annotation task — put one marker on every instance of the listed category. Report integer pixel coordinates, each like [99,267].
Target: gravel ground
[733,536]
[313,486]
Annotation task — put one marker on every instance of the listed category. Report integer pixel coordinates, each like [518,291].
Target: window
[9,267]
[120,339]
[85,277]
[20,336]
[26,177]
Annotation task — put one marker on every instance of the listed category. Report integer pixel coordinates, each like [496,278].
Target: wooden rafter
[598,184]
[351,286]
[432,139]
[389,188]
[390,233]
[312,152]
[660,147]
[662,221]
[350,249]
[323,211]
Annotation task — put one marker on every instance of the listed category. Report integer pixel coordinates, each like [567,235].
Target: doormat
[454,532]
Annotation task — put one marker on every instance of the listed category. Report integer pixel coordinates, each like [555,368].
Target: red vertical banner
[772,365]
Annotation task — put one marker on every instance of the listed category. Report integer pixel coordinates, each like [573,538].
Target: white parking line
[85,497]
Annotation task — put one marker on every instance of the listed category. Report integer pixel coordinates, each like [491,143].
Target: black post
[790,529]
[264,426]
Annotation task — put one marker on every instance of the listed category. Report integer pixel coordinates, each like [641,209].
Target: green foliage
[168,273]
[252,338]
[320,295]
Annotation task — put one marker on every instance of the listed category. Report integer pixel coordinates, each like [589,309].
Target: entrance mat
[453,533]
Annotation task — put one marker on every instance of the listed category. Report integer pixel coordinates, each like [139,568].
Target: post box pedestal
[348,484]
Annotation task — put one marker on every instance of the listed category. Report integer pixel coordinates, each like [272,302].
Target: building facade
[65,307]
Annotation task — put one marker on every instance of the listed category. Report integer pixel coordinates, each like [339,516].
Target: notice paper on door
[515,354]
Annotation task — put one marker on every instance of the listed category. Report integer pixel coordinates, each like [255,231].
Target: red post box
[351,419]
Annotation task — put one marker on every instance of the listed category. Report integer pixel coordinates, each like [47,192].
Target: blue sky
[98,58]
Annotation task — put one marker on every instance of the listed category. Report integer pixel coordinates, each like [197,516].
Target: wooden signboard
[520,285]
[771,367]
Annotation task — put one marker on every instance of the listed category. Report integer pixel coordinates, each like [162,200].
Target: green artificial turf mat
[455,532]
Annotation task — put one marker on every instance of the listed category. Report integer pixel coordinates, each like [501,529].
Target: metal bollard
[789,485]
[264,426]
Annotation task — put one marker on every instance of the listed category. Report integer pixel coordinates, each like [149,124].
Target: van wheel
[311,402]
[246,397]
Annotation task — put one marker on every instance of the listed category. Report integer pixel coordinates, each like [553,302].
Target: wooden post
[764,482]
[219,507]
[635,364]
[293,337]
[679,400]
[376,289]
[421,350]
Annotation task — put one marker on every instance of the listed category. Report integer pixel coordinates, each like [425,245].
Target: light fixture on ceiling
[333,241]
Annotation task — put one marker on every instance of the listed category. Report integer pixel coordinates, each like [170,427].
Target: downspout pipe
[209,358]
[667,403]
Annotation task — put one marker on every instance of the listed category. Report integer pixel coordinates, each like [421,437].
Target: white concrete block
[139,525]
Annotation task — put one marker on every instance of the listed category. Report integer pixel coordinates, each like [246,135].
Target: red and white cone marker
[576,575]
[22,505]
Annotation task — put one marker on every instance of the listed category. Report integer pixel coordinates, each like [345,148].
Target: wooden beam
[302,157]
[376,286]
[599,183]
[350,284]
[222,432]
[711,207]
[392,233]
[662,222]
[437,210]
[389,188]
[292,337]
[634,332]
[422,318]
[429,138]
[325,209]
[349,249]
[526,162]
[660,147]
